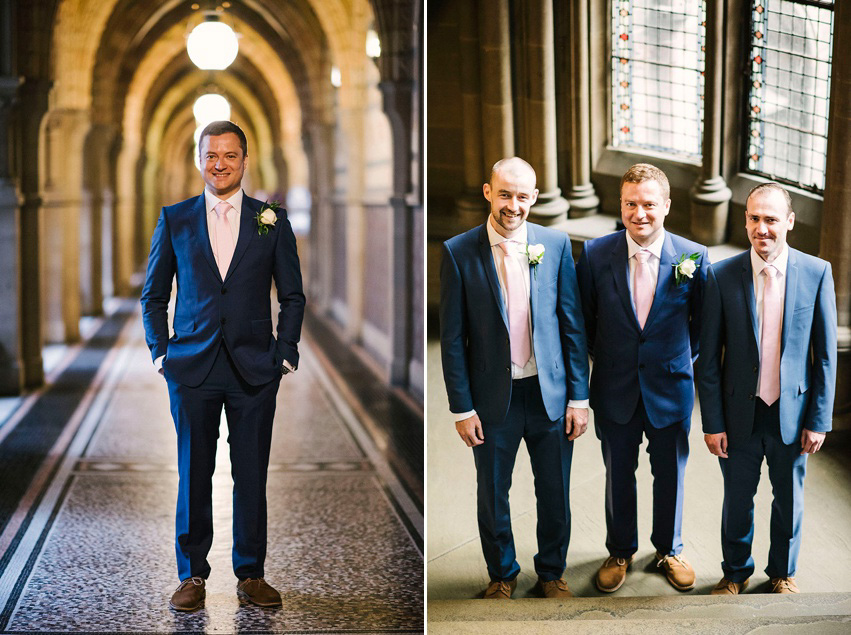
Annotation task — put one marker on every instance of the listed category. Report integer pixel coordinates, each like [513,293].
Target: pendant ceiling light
[212,45]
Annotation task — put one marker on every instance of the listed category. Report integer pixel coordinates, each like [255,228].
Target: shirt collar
[655,248]
[211,200]
[495,237]
[758,264]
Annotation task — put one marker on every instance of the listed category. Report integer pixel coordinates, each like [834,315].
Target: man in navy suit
[225,251]
[766,377]
[641,292]
[515,367]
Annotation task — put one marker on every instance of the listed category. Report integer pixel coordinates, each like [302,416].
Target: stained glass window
[790,57]
[658,57]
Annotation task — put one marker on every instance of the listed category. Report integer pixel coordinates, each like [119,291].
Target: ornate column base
[550,209]
[583,201]
[710,201]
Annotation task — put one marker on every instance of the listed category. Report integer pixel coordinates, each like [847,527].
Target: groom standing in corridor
[225,249]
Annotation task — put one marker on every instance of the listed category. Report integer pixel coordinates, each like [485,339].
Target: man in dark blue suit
[516,368]
[766,377]
[641,293]
[225,250]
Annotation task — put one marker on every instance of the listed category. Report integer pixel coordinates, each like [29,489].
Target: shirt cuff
[158,362]
[578,403]
[460,416]
[289,366]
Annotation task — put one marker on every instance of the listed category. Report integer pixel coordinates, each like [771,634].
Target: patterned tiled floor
[96,552]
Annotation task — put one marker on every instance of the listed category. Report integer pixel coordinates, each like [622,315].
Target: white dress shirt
[758,264]
[655,249]
[521,236]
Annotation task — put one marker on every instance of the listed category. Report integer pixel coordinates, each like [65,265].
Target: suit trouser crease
[197,414]
[741,471]
[668,451]
[550,454]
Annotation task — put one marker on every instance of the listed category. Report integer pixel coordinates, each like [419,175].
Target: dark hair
[765,188]
[641,172]
[217,128]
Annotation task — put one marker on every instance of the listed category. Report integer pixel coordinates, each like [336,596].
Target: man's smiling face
[222,163]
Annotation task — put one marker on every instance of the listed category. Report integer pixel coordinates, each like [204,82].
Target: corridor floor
[455,565]
[88,546]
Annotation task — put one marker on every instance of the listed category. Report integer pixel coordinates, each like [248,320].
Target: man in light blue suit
[225,250]
[641,295]
[516,368]
[766,378]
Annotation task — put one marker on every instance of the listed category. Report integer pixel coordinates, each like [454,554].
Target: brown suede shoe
[728,587]
[554,589]
[500,590]
[612,574]
[189,596]
[784,585]
[677,570]
[259,592]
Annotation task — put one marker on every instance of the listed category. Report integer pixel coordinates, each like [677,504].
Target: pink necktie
[224,238]
[643,292]
[769,363]
[518,309]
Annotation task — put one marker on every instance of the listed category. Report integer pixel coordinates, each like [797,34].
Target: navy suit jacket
[654,363]
[209,309]
[474,337]
[728,368]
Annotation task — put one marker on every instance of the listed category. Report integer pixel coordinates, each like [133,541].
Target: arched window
[658,57]
[788,98]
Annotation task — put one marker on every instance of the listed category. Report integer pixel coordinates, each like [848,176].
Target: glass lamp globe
[211,107]
[212,45]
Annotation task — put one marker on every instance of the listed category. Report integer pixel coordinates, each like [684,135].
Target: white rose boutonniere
[535,254]
[685,267]
[266,217]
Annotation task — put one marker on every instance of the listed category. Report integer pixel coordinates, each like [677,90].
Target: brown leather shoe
[677,570]
[189,596]
[784,585]
[500,589]
[554,589]
[257,591]
[612,574]
[728,587]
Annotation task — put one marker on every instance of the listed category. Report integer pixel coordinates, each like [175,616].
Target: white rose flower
[687,268]
[535,253]
[268,217]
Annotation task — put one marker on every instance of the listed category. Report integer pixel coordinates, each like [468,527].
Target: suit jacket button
[641,340]
[750,397]
[641,367]
[224,290]
[756,369]
[508,368]
[224,320]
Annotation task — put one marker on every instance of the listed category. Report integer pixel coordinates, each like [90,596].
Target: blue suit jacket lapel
[201,232]
[533,279]
[490,271]
[789,301]
[246,224]
[750,297]
[663,281]
[620,271]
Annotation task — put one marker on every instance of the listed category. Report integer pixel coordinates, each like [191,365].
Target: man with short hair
[225,248]
[766,378]
[516,368]
[641,293]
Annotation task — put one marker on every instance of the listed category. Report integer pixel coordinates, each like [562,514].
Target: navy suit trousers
[668,450]
[550,453]
[197,414]
[786,471]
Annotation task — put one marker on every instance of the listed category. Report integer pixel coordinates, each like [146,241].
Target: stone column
[33,102]
[124,218]
[710,196]
[320,150]
[65,133]
[536,86]
[11,358]
[836,210]
[497,117]
[575,111]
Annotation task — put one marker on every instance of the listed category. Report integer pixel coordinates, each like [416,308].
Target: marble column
[65,133]
[33,100]
[835,243]
[11,358]
[575,111]
[471,205]
[710,196]
[536,140]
